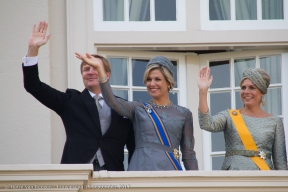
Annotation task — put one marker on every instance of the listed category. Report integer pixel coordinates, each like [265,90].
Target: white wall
[25,124]
[59,70]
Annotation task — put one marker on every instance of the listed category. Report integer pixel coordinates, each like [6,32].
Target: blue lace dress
[178,123]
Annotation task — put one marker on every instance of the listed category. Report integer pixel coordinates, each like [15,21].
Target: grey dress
[268,134]
[178,123]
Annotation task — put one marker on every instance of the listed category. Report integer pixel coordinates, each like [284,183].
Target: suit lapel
[91,106]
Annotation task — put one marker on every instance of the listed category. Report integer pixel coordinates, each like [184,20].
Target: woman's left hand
[90,60]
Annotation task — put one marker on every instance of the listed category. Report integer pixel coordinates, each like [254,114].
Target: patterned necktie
[97,99]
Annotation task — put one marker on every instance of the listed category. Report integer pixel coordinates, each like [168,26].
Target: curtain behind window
[272,9]
[119,71]
[219,10]
[272,65]
[113,10]
[139,10]
[246,9]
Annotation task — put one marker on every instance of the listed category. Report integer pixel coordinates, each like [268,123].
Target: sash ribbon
[163,135]
[247,139]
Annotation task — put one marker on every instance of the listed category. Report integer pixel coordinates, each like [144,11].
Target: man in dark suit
[93,134]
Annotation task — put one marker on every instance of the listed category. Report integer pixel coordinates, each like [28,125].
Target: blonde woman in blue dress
[254,139]
[154,151]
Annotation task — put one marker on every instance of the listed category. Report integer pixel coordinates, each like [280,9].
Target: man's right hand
[37,38]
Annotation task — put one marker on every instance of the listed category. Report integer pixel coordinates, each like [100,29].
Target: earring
[263,102]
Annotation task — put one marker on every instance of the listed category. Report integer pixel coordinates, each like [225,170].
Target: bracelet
[102,79]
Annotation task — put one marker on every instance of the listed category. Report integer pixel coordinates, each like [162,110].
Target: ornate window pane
[141,96]
[272,65]
[138,68]
[121,93]
[174,97]
[273,101]
[272,9]
[219,102]
[239,66]
[125,162]
[113,10]
[239,103]
[139,10]
[119,71]
[175,73]
[165,10]
[217,162]
[221,74]
[218,142]
[219,10]
[246,9]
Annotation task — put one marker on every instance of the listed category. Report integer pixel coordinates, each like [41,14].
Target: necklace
[161,106]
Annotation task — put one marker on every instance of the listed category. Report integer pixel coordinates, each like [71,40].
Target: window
[139,10]
[165,10]
[224,93]
[245,9]
[128,81]
[127,77]
[139,15]
[243,14]
[119,80]
[113,10]
[272,9]
[219,9]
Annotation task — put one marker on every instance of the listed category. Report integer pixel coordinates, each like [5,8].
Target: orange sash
[246,138]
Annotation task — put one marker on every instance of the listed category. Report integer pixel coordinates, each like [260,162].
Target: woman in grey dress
[150,154]
[266,130]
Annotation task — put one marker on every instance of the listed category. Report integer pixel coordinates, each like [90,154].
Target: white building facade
[226,35]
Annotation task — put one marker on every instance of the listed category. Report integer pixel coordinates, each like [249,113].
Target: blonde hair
[166,73]
[106,63]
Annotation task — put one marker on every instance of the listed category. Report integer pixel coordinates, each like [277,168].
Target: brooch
[148,108]
[176,154]
[234,113]
[262,155]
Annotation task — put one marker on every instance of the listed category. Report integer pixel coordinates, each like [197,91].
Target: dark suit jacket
[80,117]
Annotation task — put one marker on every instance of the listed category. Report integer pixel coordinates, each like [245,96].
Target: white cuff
[29,61]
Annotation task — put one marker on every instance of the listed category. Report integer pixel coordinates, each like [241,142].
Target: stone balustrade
[80,177]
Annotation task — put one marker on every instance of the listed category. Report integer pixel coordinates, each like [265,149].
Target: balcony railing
[54,177]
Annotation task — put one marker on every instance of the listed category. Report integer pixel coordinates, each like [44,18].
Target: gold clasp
[176,154]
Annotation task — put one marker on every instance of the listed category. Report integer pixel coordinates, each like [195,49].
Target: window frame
[181,67]
[181,88]
[204,61]
[126,25]
[233,24]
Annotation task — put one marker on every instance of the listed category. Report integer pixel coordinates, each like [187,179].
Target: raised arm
[37,38]
[216,123]
[47,95]
[204,81]
[121,106]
